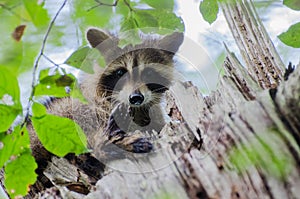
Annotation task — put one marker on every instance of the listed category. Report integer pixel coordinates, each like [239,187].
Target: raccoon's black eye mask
[120,72]
[108,82]
[155,81]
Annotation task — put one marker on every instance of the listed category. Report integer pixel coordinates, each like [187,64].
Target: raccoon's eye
[120,72]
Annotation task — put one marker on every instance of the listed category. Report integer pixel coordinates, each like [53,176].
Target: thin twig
[36,63]
[128,5]
[50,60]
[103,4]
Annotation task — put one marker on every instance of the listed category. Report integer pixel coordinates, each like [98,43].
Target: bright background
[201,55]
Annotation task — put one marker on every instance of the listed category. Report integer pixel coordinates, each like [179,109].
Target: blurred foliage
[145,15]
[170,194]
[262,152]
[293,4]
[85,58]
[38,15]
[10,105]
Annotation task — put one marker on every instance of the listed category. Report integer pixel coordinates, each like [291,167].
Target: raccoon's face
[136,76]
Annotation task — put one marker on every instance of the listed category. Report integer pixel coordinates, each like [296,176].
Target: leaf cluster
[262,153]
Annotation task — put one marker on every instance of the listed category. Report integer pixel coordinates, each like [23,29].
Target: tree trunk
[241,141]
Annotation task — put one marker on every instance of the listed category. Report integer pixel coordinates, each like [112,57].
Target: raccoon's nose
[136,99]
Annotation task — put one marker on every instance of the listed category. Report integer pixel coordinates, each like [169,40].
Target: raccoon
[123,98]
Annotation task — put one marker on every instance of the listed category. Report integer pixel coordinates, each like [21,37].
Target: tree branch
[36,63]
[128,5]
[103,4]
[262,60]
[51,61]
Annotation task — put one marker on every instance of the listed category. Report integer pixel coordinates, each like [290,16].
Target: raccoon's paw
[117,134]
[133,143]
[142,145]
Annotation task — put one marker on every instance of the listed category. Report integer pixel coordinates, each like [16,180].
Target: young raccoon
[126,96]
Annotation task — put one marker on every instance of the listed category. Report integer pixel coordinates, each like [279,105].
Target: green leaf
[38,14]
[10,105]
[9,86]
[44,73]
[292,36]
[56,85]
[11,54]
[209,10]
[13,144]
[167,20]
[60,135]
[129,37]
[18,57]
[20,174]
[87,14]
[11,51]
[8,115]
[144,19]
[293,4]
[38,110]
[158,21]
[128,24]
[129,32]
[84,59]
[78,57]
[159,4]
[122,8]
[76,93]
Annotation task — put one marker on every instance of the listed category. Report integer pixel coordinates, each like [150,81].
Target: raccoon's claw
[142,145]
[116,134]
[132,143]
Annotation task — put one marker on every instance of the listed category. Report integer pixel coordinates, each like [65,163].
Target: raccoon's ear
[105,43]
[171,42]
[96,36]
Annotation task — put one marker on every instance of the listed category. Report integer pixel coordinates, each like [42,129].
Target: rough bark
[253,104]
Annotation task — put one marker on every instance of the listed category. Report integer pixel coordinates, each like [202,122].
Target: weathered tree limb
[207,173]
[261,58]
